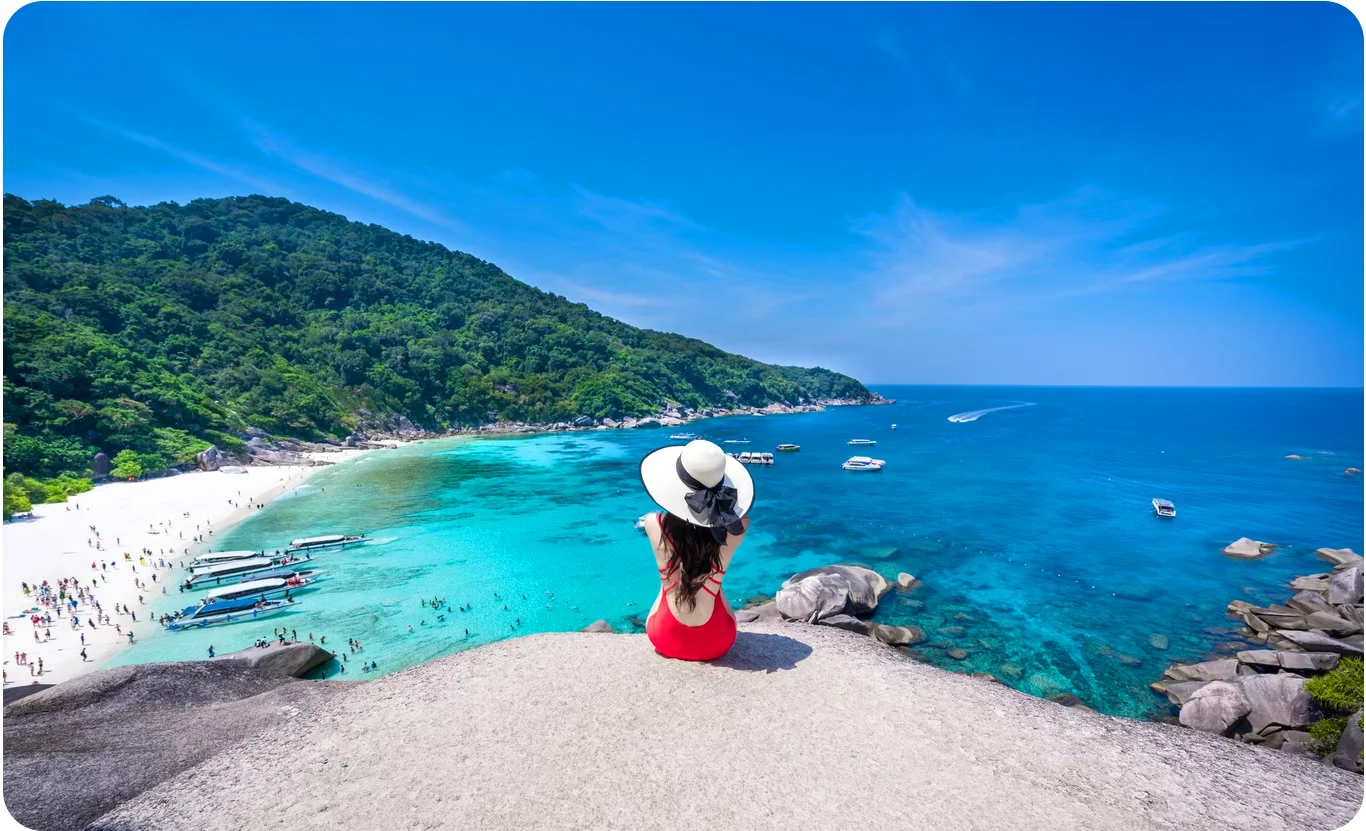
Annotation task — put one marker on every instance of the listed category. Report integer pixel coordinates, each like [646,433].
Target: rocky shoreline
[374,433]
[1259,696]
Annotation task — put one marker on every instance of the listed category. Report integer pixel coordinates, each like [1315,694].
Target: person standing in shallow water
[706,496]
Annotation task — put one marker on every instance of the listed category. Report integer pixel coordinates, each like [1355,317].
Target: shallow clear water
[1031,527]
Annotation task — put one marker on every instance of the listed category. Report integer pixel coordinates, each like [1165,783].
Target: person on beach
[705,495]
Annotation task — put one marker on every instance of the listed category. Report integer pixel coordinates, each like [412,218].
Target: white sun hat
[665,473]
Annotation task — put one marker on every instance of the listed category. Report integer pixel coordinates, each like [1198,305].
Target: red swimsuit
[673,639]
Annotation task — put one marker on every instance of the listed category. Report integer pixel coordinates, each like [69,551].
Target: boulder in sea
[1221,670]
[1215,708]
[610,422]
[647,423]
[1276,702]
[1248,549]
[1347,755]
[1012,671]
[1158,641]
[293,659]
[905,581]
[583,421]
[598,626]
[1179,692]
[1338,556]
[1345,587]
[1311,582]
[1268,658]
[957,653]
[830,590]
[209,458]
[896,635]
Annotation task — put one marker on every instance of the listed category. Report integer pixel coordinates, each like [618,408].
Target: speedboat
[761,459]
[228,611]
[283,571]
[260,589]
[893,426]
[862,442]
[1164,507]
[787,448]
[684,436]
[863,463]
[328,541]
[736,441]
[216,557]
[222,573]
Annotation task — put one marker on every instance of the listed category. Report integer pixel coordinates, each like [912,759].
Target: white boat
[323,542]
[283,571]
[684,436]
[224,573]
[1164,507]
[788,448]
[862,442]
[893,426]
[863,464]
[260,589]
[736,441]
[754,458]
[229,611]
[216,557]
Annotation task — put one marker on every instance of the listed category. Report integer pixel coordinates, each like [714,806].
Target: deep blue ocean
[1030,526]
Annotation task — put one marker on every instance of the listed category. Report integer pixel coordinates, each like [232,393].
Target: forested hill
[155,328]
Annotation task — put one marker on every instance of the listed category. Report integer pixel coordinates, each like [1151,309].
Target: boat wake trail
[973,415]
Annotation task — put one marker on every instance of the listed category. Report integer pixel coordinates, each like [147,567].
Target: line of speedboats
[248,585]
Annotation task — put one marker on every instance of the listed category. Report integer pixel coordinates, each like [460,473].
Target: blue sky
[958,193]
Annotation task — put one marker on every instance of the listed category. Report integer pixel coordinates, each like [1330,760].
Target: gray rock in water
[766,611]
[598,626]
[100,466]
[292,659]
[1222,670]
[1179,692]
[583,421]
[130,728]
[1247,549]
[1345,586]
[1308,661]
[847,622]
[830,590]
[1347,755]
[1319,642]
[1215,708]
[1279,617]
[1338,556]
[1158,641]
[1277,701]
[896,635]
[1309,602]
[1310,582]
[209,459]
[1254,623]
[1261,658]
[905,581]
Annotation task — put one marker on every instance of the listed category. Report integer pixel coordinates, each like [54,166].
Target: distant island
[150,333]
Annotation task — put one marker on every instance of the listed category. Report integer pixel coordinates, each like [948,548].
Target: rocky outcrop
[1344,587]
[598,626]
[1319,642]
[1215,707]
[905,581]
[1221,670]
[209,459]
[766,611]
[126,729]
[830,590]
[1347,754]
[1277,702]
[849,623]
[1338,556]
[1248,549]
[295,660]
[100,466]
[896,635]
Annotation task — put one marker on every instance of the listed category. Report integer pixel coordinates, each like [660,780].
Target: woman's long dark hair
[694,553]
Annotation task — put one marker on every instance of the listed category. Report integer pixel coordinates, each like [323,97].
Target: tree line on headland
[152,332]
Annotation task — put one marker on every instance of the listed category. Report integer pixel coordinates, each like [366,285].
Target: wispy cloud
[1086,243]
[189,157]
[342,174]
[629,215]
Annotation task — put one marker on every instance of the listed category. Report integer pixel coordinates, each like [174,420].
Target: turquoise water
[1031,527]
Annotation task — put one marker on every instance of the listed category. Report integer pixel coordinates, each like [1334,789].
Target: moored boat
[223,573]
[216,557]
[788,448]
[684,436]
[1164,507]
[229,611]
[324,542]
[862,442]
[260,589]
[863,464]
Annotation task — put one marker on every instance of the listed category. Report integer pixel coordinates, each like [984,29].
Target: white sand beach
[162,515]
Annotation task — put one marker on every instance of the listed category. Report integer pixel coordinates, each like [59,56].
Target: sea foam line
[973,415]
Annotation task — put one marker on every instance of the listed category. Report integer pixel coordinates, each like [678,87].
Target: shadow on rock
[762,652]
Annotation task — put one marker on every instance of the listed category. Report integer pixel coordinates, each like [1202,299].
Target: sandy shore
[796,725]
[162,515]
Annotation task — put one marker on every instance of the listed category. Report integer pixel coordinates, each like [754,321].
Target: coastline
[163,515]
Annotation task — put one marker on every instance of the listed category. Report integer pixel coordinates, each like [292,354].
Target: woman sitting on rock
[705,495]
